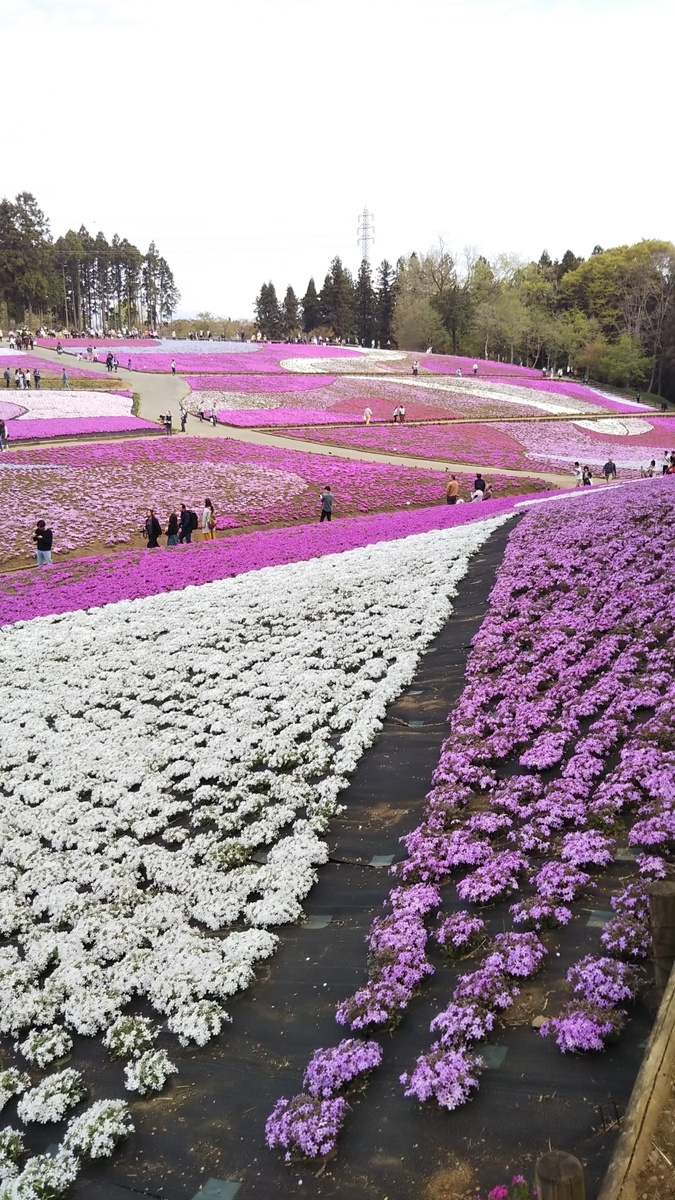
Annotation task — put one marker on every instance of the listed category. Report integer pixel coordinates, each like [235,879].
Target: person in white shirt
[665,463]
[367,414]
[578,475]
[396,412]
[208,522]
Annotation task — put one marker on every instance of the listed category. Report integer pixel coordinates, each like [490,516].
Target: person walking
[326,504]
[3,434]
[152,530]
[183,419]
[172,530]
[367,414]
[578,475]
[396,412]
[43,544]
[168,423]
[609,469]
[415,368]
[64,380]
[479,483]
[173,366]
[27,376]
[185,525]
[475,369]
[452,490]
[214,417]
[208,522]
[401,414]
[586,477]
[37,376]
[6,376]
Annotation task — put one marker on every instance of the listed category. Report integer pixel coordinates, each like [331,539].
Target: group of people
[19,341]
[111,362]
[667,466]
[482,490]
[181,526]
[583,476]
[22,379]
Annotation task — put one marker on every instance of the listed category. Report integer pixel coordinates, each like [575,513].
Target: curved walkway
[159,392]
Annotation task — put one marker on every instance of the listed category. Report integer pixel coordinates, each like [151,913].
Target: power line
[365,234]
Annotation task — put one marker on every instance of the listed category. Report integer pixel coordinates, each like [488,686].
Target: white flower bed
[149,1073]
[42,1046]
[68,403]
[150,747]
[95,1133]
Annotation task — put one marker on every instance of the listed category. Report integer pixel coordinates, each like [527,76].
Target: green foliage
[268,315]
[311,308]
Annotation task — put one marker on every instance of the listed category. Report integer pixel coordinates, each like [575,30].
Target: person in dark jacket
[152,530]
[185,525]
[43,544]
[172,530]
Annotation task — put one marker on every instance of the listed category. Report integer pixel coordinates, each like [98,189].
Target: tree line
[611,316]
[78,281]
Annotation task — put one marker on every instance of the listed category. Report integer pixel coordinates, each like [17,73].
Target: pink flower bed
[26,429]
[31,362]
[252,417]
[457,443]
[266,360]
[258,383]
[451,363]
[130,575]
[92,493]
[560,443]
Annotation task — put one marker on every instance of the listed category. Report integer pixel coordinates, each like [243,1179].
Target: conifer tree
[311,308]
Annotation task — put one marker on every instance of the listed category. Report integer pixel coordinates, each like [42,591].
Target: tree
[385,303]
[267,313]
[311,308]
[417,325]
[365,316]
[337,300]
[290,315]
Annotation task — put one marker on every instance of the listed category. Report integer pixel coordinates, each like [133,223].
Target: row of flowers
[248,484]
[117,868]
[548,761]
[75,427]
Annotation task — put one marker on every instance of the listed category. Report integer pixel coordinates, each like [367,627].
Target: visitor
[115,364]
[479,483]
[202,410]
[665,463]
[43,545]
[37,376]
[3,434]
[128,364]
[214,417]
[452,491]
[415,368]
[396,414]
[27,377]
[152,530]
[477,494]
[586,477]
[488,492]
[6,376]
[401,414]
[173,366]
[183,419]
[186,524]
[649,471]
[367,414]
[172,530]
[578,475]
[638,397]
[458,371]
[208,522]
[326,504]
[609,469]
[64,379]
[168,423]
[475,369]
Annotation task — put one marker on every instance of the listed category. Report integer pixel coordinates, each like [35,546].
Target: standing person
[3,434]
[173,366]
[27,377]
[64,379]
[172,530]
[6,376]
[452,491]
[37,376]
[43,545]
[201,411]
[475,369]
[183,419]
[415,367]
[185,523]
[326,504]
[115,364]
[401,414]
[578,475]
[208,522]
[638,397]
[168,422]
[367,414]
[479,483]
[586,477]
[152,530]
[665,463]
[214,417]
[609,469]
[396,411]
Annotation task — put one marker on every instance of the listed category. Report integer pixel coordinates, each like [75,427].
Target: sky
[246,138]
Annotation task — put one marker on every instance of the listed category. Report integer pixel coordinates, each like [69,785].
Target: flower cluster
[459,933]
[305,1125]
[97,1131]
[42,1046]
[51,1099]
[330,1070]
[149,1072]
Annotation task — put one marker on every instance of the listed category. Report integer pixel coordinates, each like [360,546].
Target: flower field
[118,868]
[558,765]
[95,494]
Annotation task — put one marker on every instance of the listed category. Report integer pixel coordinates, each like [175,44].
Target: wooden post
[559,1176]
[662,921]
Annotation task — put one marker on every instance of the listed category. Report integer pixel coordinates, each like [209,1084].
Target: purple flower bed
[271,384]
[569,663]
[252,417]
[131,575]
[27,429]
[456,443]
[450,363]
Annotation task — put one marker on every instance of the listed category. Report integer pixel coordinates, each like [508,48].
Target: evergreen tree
[311,308]
[267,314]
[365,316]
[290,315]
[387,292]
[337,300]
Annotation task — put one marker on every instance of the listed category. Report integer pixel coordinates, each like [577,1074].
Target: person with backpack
[187,521]
[208,522]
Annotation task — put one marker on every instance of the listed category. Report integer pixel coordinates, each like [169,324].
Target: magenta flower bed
[252,417]
[266,360]
[46,366]
[451,363]
[131,575]
[27,429]
[462,442]
[258,383]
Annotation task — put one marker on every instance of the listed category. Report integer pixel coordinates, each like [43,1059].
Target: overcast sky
[245,137]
